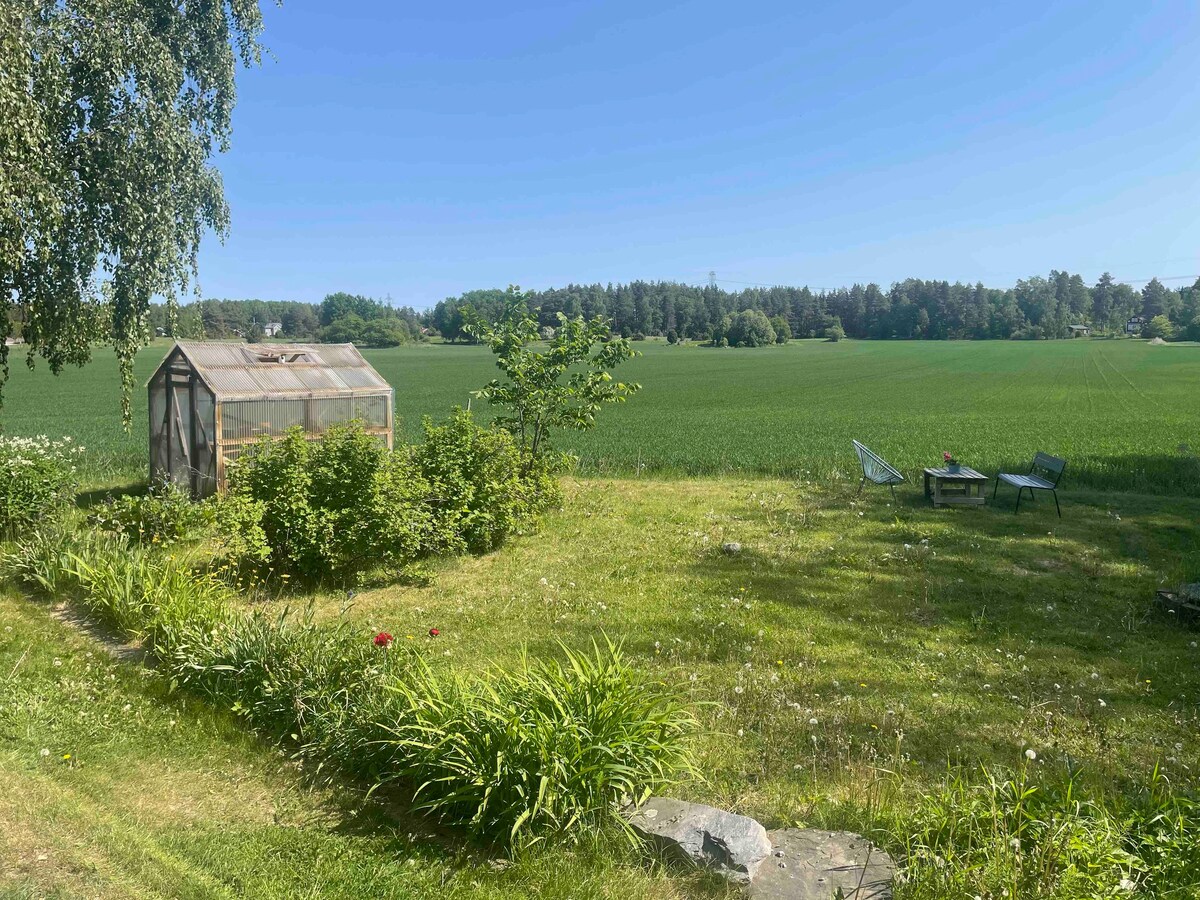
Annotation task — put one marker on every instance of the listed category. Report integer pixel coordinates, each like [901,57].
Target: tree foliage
[561,386]
[913,309]
[749,328]
[109,115]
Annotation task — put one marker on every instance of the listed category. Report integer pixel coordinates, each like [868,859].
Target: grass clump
[533,752]
[1014,834]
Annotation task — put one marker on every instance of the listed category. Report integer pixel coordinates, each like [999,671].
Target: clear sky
[420,150]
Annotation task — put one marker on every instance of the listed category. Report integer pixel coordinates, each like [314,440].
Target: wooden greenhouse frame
[208,401]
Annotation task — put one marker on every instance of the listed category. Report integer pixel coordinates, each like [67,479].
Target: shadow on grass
[1076,595]
[92,498]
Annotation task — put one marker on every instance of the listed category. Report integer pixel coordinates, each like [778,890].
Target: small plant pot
[953,467]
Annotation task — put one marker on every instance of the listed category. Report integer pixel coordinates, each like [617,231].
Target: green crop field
[1124,413]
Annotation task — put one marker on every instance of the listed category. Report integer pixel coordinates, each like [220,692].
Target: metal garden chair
[1043,475]
[876,469]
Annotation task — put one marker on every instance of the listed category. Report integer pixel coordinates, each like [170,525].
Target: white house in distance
[272,329]
[1135,325]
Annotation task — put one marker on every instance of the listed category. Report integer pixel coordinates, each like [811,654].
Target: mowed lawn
[1123,413]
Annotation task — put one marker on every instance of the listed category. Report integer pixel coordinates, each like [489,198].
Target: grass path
[162,797]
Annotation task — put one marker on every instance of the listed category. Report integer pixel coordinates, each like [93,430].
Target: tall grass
[1020,834]
[541,749]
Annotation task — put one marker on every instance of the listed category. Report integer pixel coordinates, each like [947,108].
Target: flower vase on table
[951,463]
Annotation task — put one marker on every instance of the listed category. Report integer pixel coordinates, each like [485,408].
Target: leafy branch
[562,386]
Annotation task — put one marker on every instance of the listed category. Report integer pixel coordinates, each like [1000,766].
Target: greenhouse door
[179,432]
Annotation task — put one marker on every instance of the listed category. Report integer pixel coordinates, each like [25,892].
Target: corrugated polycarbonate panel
[373,411]
[225,382]
[331,411]
[206,443]
[359,378]
[248,419]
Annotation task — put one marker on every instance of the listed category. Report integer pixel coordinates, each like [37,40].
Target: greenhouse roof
[240,371]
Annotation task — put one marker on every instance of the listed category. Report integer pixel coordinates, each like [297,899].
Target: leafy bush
[38,481]
[163,515]
[334,506]
[750,328]
[783,331]
[1159,327]
[480,489]
[529,754]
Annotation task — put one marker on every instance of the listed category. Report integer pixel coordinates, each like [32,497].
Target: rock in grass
[732,845]
[731,548]
[808,864]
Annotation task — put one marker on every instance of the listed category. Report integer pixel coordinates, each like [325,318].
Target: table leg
[926,485]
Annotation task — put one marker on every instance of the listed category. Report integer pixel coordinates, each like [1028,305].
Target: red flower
[433,632]
[946,456]
[383,639]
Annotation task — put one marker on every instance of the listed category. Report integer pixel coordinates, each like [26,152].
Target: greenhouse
[209,401]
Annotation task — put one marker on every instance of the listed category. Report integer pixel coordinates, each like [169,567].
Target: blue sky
[418,151]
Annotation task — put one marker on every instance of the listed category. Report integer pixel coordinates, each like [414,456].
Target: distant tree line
[339,318]
[1032,309]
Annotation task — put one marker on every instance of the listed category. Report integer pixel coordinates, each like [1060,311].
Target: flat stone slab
[810,864]
[732,845]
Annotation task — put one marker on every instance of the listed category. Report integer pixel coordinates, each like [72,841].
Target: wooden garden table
[962,487]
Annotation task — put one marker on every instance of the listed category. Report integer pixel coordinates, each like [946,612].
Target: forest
[913,309]
[1034,308]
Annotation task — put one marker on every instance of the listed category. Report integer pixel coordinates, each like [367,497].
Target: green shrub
[332,507]
[521,756]
[163,515]
[749,328]
[238,523]
[783,331]
[38,481]
[479,487]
